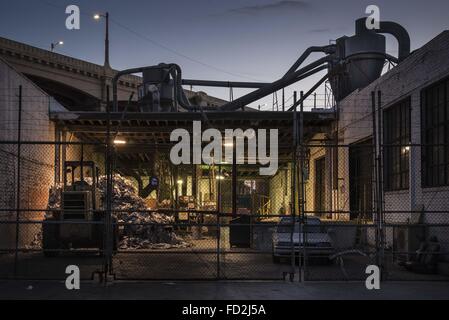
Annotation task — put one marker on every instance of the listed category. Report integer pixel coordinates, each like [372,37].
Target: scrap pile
[143,229]
[54,198]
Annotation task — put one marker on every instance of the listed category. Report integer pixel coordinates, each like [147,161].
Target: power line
[180,54]
[158,44]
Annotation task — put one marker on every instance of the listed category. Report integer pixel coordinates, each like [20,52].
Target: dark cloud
[275,6]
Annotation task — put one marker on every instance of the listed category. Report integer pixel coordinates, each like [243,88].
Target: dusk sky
[244,40]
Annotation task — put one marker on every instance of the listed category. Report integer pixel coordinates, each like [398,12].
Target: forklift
[80,202]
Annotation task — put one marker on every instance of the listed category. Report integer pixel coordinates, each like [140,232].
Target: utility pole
[106,40]
[106,43]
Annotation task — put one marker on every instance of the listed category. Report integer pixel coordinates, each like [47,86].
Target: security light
[119,141]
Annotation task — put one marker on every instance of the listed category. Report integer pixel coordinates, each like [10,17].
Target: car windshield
[312,226]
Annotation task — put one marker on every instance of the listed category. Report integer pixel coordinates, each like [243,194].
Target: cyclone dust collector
[351,63]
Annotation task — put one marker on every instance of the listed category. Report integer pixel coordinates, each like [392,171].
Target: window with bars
[396,149]
[435,134]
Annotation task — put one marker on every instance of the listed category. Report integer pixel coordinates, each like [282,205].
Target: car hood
[298,237]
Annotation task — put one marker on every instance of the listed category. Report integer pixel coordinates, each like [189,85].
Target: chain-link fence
[48,210]
[183,226]
[123,209]
[370,212]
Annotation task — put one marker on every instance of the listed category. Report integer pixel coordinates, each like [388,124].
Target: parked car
[318,242]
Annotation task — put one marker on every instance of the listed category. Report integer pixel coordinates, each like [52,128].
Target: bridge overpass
[77,84]
[73,82]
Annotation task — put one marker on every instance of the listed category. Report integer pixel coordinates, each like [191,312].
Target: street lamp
[54,44]
[97,17]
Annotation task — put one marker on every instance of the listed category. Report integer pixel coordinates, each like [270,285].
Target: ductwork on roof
[352,63]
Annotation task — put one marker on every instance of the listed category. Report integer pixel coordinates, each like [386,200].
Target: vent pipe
[393,28]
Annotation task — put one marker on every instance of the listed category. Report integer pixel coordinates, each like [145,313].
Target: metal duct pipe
[223,84]
[329,49]
[125,72]
[400,34]
[264,89]
[277,85]
[246,84]
[179,92]
[393,28]
[176,73]
[308,93]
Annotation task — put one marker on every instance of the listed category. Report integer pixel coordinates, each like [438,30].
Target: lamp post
[54,44]
[106,41]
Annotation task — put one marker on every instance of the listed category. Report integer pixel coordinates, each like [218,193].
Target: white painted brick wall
[425,66]
[37,162]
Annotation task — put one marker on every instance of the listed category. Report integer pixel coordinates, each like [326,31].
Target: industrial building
[413,114]
[373,167]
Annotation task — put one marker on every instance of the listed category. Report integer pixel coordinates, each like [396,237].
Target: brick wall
[423,67]
[37,161]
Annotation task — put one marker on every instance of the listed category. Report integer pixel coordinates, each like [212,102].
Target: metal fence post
[218,224]
[107,249]
[303,194]
[19,138]
[375,164]
[377,142]
[293,187]
[380,182]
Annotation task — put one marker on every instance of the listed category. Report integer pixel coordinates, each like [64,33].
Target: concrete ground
[190,265]
[187,264]
[278,290]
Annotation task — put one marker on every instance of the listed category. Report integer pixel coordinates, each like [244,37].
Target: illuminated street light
[97,17]
[54,44]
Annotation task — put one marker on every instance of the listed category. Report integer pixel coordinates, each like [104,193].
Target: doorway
[320,186]
[361,180]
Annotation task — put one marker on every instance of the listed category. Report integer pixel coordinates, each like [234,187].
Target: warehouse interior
[141,155]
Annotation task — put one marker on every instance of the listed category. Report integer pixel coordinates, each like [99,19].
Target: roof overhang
[148,132]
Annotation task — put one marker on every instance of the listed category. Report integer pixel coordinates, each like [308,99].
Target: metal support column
[18,190]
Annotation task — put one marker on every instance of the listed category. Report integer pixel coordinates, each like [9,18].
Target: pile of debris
[54,199]
[143,229]
[36,243]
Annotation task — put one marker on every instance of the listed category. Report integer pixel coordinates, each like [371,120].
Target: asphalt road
[277,290]
[186,265]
